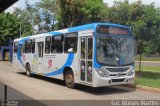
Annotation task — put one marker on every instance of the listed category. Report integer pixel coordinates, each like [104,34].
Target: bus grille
[118,80]
[124,69]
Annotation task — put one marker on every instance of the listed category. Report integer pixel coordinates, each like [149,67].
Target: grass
[146,78]
[144,58]
[149,68]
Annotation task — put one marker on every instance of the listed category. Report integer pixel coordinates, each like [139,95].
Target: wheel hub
[69,79]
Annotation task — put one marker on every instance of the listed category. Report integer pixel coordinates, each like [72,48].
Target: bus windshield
[115,51]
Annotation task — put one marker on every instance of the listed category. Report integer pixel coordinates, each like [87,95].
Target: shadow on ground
[95,91]
[15,97]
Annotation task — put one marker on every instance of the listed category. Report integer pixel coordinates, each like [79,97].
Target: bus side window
[48,45]
[57,44]
[70,44]
[15,47]
[28,45]
[33,46]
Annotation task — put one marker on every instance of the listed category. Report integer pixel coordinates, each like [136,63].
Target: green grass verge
[147,58]
[145,78]
[148,76]
[149,68]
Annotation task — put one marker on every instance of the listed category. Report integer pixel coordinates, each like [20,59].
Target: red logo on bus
[50,62]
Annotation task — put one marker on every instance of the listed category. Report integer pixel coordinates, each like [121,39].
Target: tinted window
[15,47]
[48,45]
[33,46]
[28,45]
[70,44]
[57,44]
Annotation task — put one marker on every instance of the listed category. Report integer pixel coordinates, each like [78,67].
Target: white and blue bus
[98,54]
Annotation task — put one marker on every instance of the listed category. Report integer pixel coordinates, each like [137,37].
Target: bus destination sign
[112,30]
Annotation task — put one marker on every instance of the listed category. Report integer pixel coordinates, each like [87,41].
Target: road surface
[149,63]
[42,88]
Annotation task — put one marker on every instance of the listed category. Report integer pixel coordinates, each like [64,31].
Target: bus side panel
[29,58]
[54,65]
[15,61]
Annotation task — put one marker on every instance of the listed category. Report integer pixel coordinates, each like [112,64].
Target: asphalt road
[149,63]
[22,87]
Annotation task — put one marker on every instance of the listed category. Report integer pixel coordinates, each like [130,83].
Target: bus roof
[73,29]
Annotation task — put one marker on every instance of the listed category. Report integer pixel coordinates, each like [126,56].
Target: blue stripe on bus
[23,40]
[83,27]
[55,33]
[60,71]
[19,52]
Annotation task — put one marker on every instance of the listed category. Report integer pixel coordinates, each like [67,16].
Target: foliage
[45,15]
[25,20]
[9,27]
[77,12]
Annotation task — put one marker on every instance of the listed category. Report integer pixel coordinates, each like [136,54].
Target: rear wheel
[28,70]
[69,79]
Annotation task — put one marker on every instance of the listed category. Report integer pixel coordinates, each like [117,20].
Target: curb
[144,88]
[150,89]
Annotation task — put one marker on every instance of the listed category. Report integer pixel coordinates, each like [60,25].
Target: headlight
[102,72]
[131,72]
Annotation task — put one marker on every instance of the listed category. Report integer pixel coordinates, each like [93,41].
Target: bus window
[57,44]
[70,44]
[15,47]
[33,46]
[48,44]
[28,46]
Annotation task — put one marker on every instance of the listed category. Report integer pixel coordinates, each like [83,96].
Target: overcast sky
[21,3]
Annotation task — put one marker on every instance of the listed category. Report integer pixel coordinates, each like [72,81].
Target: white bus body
[84,55]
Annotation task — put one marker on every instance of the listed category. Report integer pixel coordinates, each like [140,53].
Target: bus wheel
[28,70]
[69,79]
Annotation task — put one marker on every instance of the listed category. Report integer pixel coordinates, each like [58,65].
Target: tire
[28,70]
[69,79]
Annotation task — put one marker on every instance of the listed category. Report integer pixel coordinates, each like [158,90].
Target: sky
[21,3]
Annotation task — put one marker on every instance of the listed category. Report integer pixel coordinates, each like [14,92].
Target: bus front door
[40,46]
[86,57]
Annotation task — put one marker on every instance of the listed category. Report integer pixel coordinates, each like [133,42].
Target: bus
[97,54]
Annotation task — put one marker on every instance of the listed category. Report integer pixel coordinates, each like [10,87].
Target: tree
[118,13]
[77,12]
[25,22]
[9,27]
[46,10]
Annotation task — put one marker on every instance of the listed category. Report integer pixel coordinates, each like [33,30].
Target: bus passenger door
[86,56]
[39,57]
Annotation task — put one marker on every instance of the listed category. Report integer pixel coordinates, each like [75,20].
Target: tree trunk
[140,61]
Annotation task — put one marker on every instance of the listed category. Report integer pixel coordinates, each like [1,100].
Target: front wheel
[28,70]
[69,79]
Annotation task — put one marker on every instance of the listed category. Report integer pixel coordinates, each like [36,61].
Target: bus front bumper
[109,81]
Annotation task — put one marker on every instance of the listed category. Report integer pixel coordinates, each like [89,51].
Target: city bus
[97,54]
